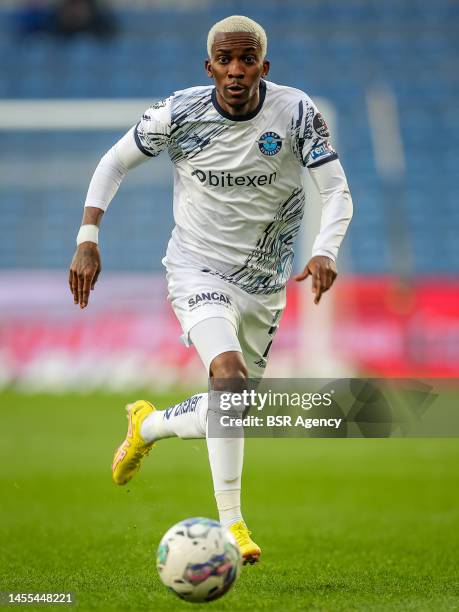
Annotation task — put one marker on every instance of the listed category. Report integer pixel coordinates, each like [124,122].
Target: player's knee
[229,366]
[229,376]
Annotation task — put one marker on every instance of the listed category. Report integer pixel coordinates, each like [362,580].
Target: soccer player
[238,148]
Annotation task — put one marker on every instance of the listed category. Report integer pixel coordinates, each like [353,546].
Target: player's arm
[313,150]
[330,180]
[113,167]
[144,141]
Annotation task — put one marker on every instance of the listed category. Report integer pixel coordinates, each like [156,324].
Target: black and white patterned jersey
[238,184]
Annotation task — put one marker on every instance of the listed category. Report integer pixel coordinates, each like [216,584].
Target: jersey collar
[246,117]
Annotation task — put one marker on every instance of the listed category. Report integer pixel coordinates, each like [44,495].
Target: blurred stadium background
[393,64]
[372,524]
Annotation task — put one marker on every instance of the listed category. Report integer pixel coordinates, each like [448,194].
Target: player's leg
[188,419]
[217,344]
[256,331]
[228,373]
[226,451]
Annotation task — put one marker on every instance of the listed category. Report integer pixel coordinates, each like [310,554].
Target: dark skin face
[237,66]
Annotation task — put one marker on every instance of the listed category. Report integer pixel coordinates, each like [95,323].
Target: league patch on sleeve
[320,127]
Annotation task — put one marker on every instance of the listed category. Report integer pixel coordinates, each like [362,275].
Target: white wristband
[88,233]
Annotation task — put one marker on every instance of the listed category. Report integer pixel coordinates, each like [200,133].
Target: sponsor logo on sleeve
[323,150]
[320,126]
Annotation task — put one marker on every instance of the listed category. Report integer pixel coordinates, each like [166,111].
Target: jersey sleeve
[152,133]
[310,135]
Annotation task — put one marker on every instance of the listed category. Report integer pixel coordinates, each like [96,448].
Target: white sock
[185,420]
[226,457]
[229,506]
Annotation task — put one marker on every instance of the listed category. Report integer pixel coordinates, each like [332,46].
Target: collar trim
[248,116]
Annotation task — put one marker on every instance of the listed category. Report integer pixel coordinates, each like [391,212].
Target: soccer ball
[198,559]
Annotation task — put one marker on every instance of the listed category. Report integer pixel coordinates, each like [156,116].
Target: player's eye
[250,59]
[222,59]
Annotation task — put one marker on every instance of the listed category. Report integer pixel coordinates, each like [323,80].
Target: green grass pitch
[343,524]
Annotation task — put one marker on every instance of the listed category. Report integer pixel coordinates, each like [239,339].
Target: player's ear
[208,67]
[266,66]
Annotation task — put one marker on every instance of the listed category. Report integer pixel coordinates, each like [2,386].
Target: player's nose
[236,69]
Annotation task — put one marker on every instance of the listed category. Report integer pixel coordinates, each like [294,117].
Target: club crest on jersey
[270,143]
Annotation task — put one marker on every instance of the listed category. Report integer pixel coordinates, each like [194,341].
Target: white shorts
[196,296]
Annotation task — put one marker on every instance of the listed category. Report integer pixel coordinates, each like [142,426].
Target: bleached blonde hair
[238,23]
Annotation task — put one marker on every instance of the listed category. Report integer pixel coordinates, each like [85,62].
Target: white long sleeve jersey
[238,184]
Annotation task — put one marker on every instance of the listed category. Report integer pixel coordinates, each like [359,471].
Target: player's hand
[323,272]
[84,272]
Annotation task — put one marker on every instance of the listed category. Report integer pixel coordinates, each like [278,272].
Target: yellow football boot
[249,550]
[129,455]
